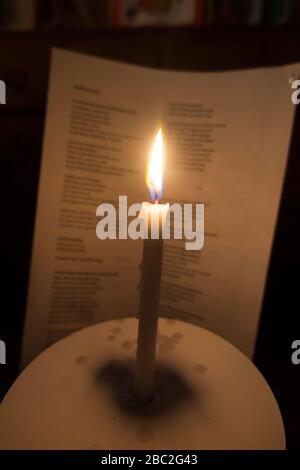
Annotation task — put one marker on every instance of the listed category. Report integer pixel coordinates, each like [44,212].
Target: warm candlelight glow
[155,168]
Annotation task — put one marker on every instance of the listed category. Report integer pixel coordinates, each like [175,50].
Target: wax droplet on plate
[116,330]
[81,360]
[144,434]
[199,368]
[176,337]
[127,344]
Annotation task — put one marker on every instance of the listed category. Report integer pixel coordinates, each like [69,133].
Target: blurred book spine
[238,12]
[141,13]
[209,15]
[294,12]
[72,14]
[255,13]
[200,6]
[16,15]
[278,12]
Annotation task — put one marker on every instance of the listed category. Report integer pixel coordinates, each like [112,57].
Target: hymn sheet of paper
[226,141]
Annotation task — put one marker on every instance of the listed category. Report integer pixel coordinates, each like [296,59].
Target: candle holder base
[78,395]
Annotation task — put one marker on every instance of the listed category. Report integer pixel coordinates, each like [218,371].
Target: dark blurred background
[171,34]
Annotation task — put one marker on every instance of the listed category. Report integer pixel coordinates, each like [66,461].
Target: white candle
[154,216]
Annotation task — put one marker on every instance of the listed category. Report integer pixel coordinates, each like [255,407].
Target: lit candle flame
[155,168]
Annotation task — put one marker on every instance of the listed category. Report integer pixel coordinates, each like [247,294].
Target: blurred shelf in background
[17,15]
